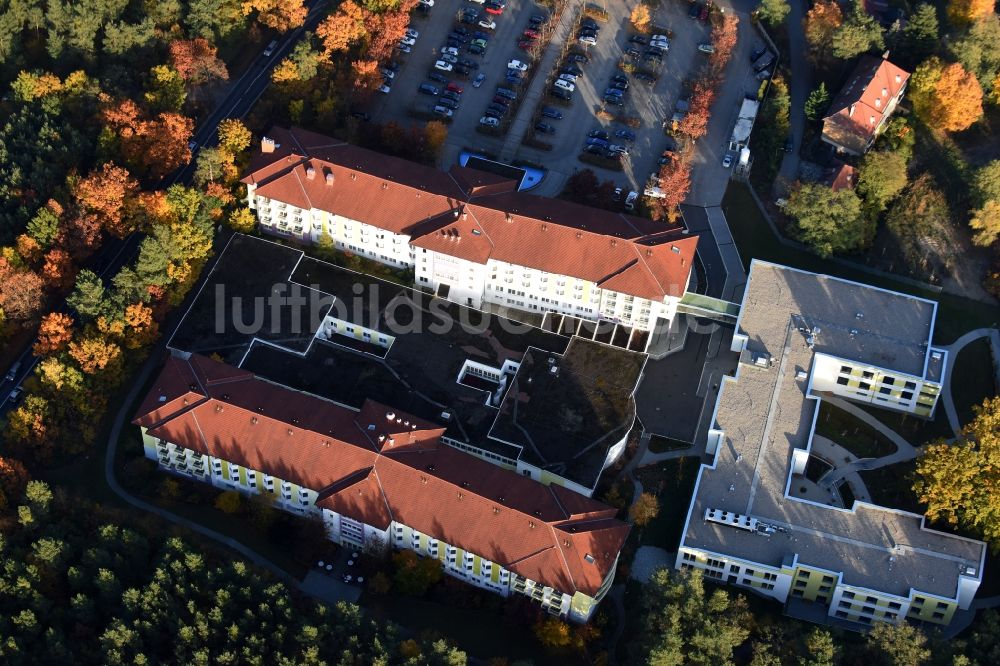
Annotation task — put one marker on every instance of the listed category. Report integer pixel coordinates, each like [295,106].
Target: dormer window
[885,92]
[878,104]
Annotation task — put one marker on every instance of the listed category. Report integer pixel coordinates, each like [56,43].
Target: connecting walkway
[953,349]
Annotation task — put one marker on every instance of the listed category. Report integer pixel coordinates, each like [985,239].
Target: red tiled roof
[469,214]
[863,103]
[842,177]
[546,533]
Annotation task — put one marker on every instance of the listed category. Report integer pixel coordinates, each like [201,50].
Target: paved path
[838,456]
[953,350]
[544,66]
[799,89]
[904,450]
[963,618]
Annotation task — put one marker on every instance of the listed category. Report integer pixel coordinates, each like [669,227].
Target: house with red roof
[471,236]
[860,111]
[378,477]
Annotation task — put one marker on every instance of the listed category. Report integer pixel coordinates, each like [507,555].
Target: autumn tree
[985,223]
[960,481]
[108,193]
[979,50]
[551,631]
[674,183]
[164,89]
[367,74]
[966,12]
[817,102]
[215,165]
[414,575]
[640,17]
[881,177]
[645,509]
[242,220]
[280,15]
[829,222]
[32,426]
[946,97]
[695,123]
[13,478]
[302,64]
[44,226]
[821,24]
[197,61]
[773,12]
[234,136]
[724,36]
[154,146]
[343,28]
[54,333]
[903,644]
[21,293]
[435,134]
[858,34]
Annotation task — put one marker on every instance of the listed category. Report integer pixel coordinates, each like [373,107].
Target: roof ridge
[181,412]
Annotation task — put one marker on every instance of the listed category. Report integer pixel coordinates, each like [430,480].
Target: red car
[494,8]
[531,34]
[454,87]
[525,44]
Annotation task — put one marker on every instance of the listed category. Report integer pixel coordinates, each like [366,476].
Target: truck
[744,124]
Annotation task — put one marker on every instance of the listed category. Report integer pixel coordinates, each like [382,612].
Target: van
[12,373]
[270,47]
[507,93]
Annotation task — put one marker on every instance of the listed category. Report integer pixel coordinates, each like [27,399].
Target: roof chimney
[310,173]
[899,78]
[266,145]
[510,218]
[329,178]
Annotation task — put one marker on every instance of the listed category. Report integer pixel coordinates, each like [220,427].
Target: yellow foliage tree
[229,502]
[242,220]
[234,136]
[966,12]
[986,223]
[281,15]
[640,17]
[946,97]
[645,509]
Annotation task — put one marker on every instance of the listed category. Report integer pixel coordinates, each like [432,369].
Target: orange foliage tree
[154,146]
[724,36]
[343,28]
[946,97]
[58,268]
[965,12]
[675,181]
[95,355]
[366,74]
[197,61]
[820,23]
[33,425]
[54,333]
[108,193]
[13,479]
[281,15]
[21,293]
[695,123]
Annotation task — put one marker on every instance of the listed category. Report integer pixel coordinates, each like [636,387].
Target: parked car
[618,148]
[620,85]
[617,194]
[578,57]
[587,33]
[471,64]
[632,52]
[727,161]
[451,94]
[646,78]
[388,74]
[385,89]
[703,13]
[572,69]
[766,74]
[502,101]
[614,92]
[403,48]
[443,65]
[549,112]
[435,76]
[470,17]
[638,39]
[706,48]
[565,85]
[590,24]
[463,70]
[653,54]
[494,8]
[568,77]
[476,49]
[488,23]
[411,33]
[518,65]
[538,19]
[789,144]
[695,10]
[478,81]
[594,150]
[598,134]
[409,41]
[626,134]
[459,35]
[757,53]
[531,34]
[14,397]
[428,89]
[765,63]
[480,42]
[525,44]
[454,87]
[545,128]
[427,3]
[489,121]
[448,102]
[479,34]
[509,94]
[490,113]
[619,78]
[614,100]
[560,93]
[443,111]
[588,40]
[499,109]
[596,141]
[630,200]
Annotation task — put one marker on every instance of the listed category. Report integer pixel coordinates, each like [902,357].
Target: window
[828,579]
[865,386]
[867,374]
[889,380]
[942,605]
[797,593]
[848,595]
[735,569]
[885,390]
[911,385]
[802,574]
[842,381]
[801,583]
[871,600]
[824,588]
[894,605]
[938,615]
[841,614]
[907,395]
[845,368]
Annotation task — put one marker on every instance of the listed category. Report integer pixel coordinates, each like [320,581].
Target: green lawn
[660,444]
[850,432]
[672,482]
[915,430]
[972,378]
[755,240]
[892,486]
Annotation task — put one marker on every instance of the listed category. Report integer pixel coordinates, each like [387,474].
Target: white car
[727,161]
[518,65]
[411,33]
[403,48]
[568,77]
[588,40]
[565,85]
[443,111]
[385,89]
[489,121]
[427,3]
[659,38]
[450,50]
[488,23]
[630,200]
[448,57]
[478,2]
[388,73]
[443,66]
[409,41]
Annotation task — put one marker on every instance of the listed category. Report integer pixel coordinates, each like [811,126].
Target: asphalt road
[240,98]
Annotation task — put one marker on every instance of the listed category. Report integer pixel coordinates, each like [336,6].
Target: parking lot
[652,105]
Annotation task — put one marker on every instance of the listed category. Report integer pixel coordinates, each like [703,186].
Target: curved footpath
[953,350]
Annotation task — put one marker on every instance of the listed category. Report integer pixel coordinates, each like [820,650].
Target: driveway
[799,89]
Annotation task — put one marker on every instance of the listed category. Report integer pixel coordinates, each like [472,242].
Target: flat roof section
[567,410]
[766,415]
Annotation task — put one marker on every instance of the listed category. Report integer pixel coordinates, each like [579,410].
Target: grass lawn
[915,430]
[853,434]
[672,482]
[972,378]
[892,486]
[660,444]
[755,240]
